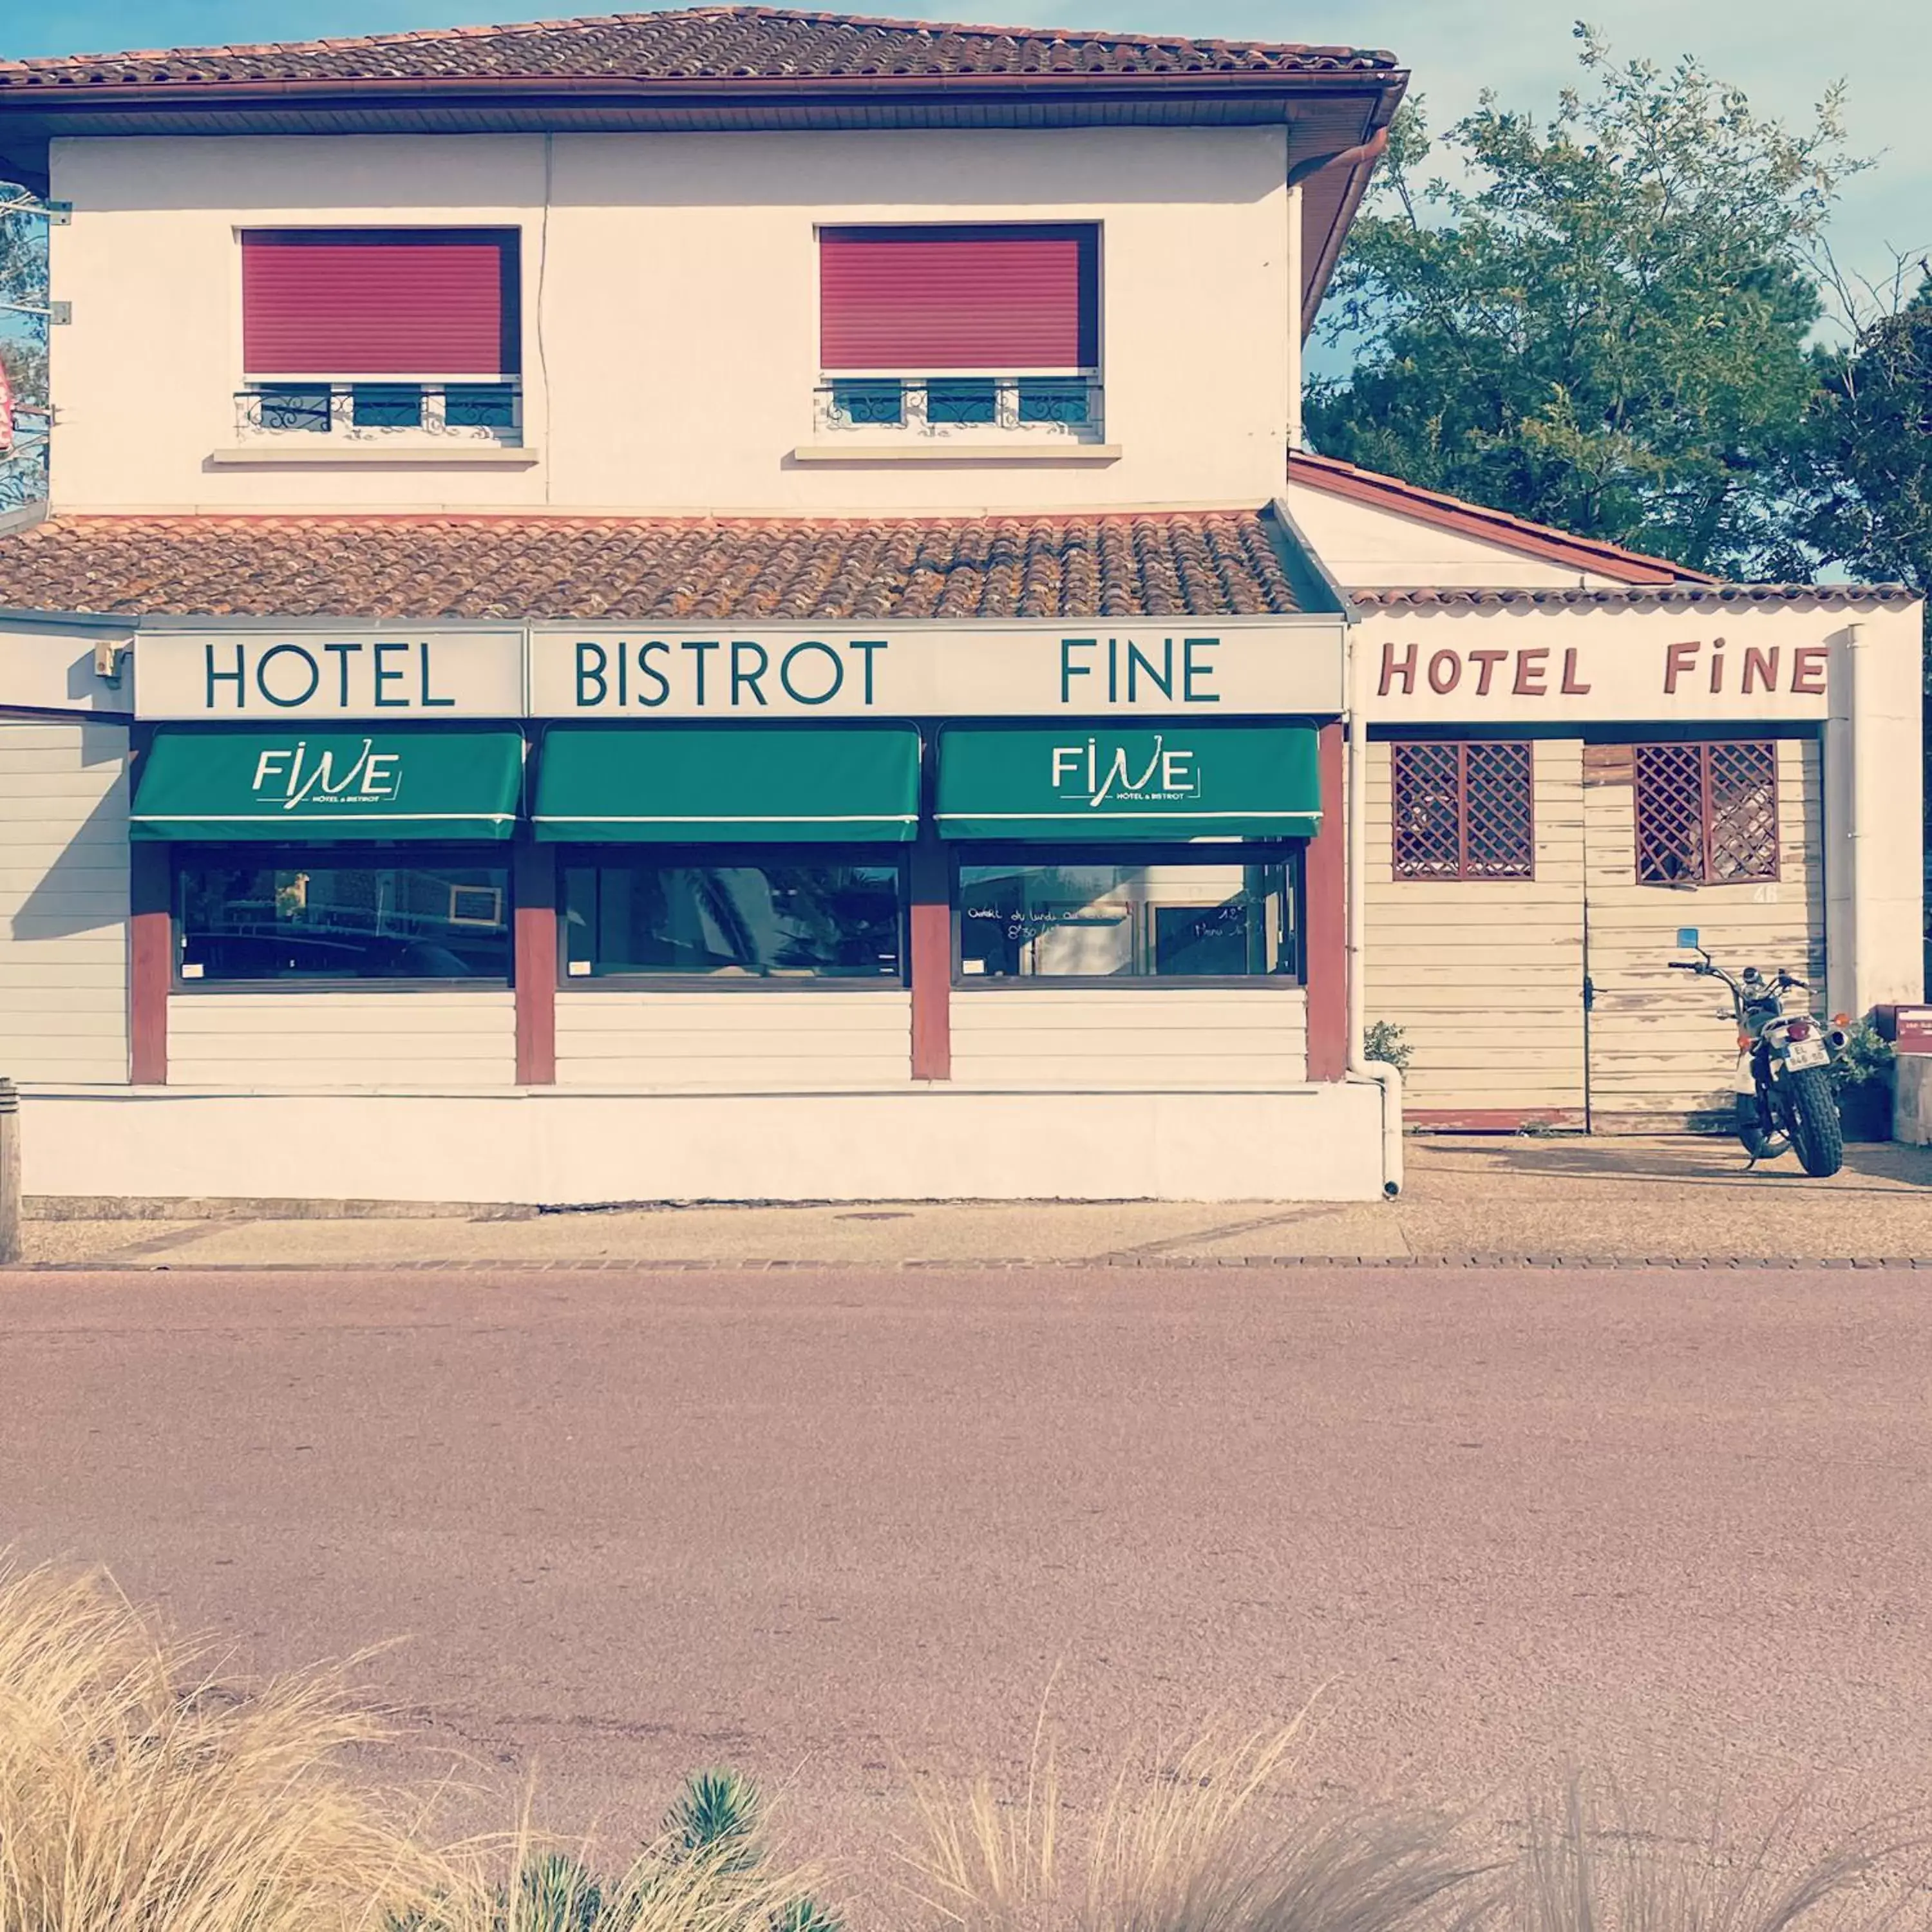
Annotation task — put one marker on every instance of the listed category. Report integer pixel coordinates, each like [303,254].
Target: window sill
[375,456]
[1065,453]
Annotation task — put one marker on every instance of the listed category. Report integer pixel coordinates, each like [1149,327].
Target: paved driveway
[815,1523]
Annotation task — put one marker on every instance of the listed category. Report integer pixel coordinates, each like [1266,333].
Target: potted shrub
[1862,1078]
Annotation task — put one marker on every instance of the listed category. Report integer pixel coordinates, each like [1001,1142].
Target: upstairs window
[381,332]
[942,331]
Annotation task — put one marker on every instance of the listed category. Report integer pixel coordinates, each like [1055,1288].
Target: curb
[1777,1263]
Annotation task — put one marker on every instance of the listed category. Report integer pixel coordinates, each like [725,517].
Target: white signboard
[213,675]
[1157,667]
[1153,667]
[1640,667]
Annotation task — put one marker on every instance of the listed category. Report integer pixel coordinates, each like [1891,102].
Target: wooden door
[1726,837]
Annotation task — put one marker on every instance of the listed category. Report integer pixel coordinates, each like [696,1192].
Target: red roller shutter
[397,302]
[916,300]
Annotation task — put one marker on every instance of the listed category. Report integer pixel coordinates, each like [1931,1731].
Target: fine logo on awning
[1094,775]
[294,776]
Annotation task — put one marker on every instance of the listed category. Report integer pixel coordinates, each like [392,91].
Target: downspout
[1295,317]
[1360,1066]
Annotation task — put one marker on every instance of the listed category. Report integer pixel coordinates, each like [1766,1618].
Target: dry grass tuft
[1190,1848]
[137,1795]
[1598,1858]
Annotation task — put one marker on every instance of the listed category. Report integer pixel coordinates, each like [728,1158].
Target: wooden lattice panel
[1463,810]
[1706,814]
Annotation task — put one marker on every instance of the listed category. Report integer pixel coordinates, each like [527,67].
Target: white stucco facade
[670,329]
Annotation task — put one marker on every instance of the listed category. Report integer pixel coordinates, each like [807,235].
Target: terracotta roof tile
[695,43]
[1206,563]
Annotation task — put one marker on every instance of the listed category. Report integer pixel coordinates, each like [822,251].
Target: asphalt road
[842,1530]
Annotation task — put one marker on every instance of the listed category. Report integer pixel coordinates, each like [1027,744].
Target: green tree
[1866,471]
[23,345]
[1600,323]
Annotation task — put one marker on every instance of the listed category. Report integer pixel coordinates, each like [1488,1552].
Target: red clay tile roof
[1208,563]
[1704,595]
[1478,520]
[697,43]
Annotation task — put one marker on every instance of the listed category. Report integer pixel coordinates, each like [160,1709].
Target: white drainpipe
[1295,318]
[1360,1066]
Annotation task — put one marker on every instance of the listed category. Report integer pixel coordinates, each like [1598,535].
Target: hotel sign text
[1157,668]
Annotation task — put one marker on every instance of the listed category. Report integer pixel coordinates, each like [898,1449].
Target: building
[716,605]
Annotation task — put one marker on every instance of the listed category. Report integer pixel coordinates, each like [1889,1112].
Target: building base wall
[1308,1143]
[1912,1099]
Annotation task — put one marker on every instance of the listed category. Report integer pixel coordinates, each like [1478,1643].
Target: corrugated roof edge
[1829,596]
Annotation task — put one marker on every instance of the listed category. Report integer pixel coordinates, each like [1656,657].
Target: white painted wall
[1366,548]
[257,1040]
[1874,830]
[670,336]
[752,1042]
[1112,1036]
[1321,1143]
[63,901]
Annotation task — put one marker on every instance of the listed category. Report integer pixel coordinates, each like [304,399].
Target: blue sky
[1783,53]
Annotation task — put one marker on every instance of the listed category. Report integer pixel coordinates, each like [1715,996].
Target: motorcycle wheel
[1812,1113]
[1761,1143]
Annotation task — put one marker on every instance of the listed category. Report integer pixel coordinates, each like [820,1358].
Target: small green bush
[1866,1059]
[1382,1040]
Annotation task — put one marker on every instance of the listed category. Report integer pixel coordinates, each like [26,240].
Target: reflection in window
[318,915]
[1179,919]
[809,921]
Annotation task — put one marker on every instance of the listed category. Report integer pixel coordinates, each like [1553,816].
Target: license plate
[1804,1053]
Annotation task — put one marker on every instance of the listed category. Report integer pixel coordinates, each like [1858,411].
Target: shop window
[731,919]
[1178,915]
[325,916]
[1463,809]
[1706,814]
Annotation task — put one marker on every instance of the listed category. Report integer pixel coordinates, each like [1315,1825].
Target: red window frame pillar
[533,897]
[1325,889]
[151,924]
[930,942]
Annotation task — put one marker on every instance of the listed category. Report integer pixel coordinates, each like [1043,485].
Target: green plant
[1867,1058]
[718,1816]
[1382,1040]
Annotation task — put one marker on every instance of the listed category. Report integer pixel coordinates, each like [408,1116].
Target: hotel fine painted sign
[1165,666]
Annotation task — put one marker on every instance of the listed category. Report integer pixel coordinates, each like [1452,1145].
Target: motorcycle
[1783,1089]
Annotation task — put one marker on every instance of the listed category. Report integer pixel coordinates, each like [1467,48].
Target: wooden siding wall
[1485,977]
[428,1039]
[1108,1036]
[63,902]
[1663,1047]
[759,1042]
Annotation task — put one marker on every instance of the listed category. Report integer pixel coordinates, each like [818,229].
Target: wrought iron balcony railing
[479,412]
[890,408]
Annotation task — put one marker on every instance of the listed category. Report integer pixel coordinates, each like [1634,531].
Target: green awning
[298,784]
[1081,782]
[717,784]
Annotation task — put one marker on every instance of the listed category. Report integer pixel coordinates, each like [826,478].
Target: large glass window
[733,918]
[326,916]
[1185,915]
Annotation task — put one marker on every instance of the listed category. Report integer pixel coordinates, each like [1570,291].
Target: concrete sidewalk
[1680,1198]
